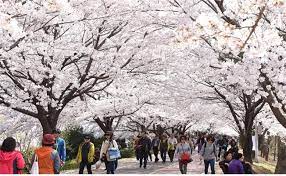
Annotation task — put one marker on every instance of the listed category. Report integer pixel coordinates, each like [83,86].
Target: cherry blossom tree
[53,52]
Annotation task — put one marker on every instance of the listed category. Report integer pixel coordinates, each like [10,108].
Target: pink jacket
[11,162]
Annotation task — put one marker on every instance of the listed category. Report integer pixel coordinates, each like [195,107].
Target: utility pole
[256,141]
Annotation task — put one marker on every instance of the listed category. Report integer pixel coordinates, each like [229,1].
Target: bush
[27,155]
[70,165]
[74,136]
[127,153]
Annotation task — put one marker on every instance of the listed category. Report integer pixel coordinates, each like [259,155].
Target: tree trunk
[247,147]
[105,125]
[47,126]
[48,120]
[281,163]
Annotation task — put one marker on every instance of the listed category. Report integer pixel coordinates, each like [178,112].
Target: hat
[86,137]
[48,139]
[108,133]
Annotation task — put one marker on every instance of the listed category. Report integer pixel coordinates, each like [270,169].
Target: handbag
[98,164]
[113,153]
[185,157]
[35,166]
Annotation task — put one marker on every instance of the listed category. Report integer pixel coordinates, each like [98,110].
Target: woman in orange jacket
[48,158]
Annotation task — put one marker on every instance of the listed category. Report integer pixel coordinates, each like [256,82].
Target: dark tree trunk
[104,125]
[48,124]
[49,119]
[281,163]
[247,146]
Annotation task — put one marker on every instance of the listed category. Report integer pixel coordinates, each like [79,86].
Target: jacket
[90,153]
[11,162]
[182,148]
[163,145]
[61,148]
[208,151]
[235,167]
[172,142]
[155,143]
[145,145]
[105,146]
[48,159]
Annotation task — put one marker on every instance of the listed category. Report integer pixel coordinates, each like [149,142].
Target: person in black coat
[164,147]
[144,145]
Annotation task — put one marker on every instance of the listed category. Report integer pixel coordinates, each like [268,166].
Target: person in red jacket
[11,161]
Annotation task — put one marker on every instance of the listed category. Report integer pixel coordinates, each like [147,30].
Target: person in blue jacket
[60,146]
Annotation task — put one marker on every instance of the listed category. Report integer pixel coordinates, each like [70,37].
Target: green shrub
[27,155]
[70,165]
[127,153]
[74,136]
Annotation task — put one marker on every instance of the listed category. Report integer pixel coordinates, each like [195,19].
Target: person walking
[236,166]
[60,146]
[136,146]
[172,142]
[163,148]
[150,151]
[208,153]
[220,144]
[200,142]
[183,153]
[155,147]
[85,155]
[48,158]
[192,144]
[144,148]
[108,144]
[233,146]
[11,160]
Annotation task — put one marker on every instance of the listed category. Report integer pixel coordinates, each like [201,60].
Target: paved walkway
[131,166]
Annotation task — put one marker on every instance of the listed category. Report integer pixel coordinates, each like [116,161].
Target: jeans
[82,166]
[163,155]
[183,167]
[143,156]
[212,163]
[156,152]
[110,166]
[171,155]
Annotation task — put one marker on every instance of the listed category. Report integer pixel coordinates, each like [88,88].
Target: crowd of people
[51,156]
[210,149]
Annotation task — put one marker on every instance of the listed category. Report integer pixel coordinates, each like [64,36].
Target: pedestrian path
[131,166]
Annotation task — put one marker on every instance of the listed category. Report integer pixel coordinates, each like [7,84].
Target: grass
[70,165]
[264,167]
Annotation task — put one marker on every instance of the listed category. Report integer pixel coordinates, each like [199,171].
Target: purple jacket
[235,167]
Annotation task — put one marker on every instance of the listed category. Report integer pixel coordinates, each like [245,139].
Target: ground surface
[131,166]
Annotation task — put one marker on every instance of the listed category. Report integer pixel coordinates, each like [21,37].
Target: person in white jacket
[108,143]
